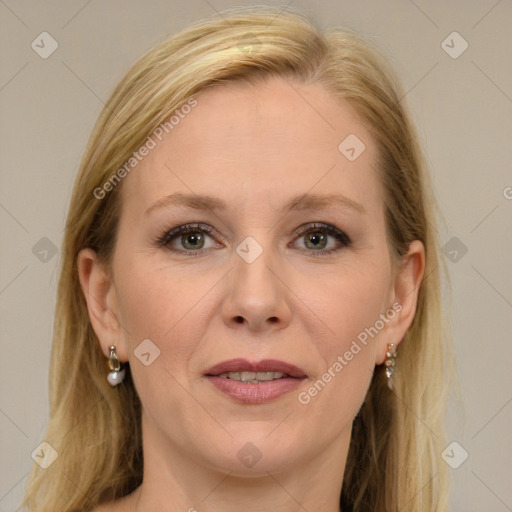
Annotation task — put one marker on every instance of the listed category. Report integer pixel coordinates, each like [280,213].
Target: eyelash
[169,235]
[328,229]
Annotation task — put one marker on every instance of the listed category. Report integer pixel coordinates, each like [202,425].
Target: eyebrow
[302,202]
[195,201]
[323,201]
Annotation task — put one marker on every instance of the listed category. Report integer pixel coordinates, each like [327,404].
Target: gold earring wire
[390,363]
[116,374]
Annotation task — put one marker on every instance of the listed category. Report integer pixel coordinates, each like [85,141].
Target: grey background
[463,107]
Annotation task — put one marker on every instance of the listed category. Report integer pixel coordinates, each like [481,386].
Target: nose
[257,296]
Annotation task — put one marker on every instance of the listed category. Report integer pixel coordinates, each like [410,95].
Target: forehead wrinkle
[301,203]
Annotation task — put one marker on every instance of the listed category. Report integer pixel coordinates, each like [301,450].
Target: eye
[321,239]
[187,238]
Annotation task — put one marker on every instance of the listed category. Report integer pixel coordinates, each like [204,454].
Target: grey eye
[192,240]
[315,240]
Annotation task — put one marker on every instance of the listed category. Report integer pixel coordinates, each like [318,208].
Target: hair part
[394,459]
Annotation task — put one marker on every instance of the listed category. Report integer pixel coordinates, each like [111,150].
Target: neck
[175,481]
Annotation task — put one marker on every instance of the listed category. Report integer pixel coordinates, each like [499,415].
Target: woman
[249,310]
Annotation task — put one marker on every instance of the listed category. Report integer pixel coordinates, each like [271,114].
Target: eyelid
[170,234]
[342,239]
[329,228]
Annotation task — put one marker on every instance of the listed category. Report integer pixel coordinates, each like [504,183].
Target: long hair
[394,461]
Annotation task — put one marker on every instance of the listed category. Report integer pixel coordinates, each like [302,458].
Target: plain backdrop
[461,102]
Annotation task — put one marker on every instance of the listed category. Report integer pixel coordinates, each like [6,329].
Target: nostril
[240,319]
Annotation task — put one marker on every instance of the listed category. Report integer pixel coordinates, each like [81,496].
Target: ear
[404,295]
[100,294]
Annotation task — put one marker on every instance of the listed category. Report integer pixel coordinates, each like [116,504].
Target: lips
[267,365]
[255,382]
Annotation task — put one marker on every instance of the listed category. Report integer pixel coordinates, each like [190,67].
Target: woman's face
[282,264]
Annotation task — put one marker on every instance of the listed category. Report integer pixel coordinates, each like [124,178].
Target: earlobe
[99,293]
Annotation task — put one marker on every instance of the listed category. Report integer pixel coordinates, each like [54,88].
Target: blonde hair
[394,462]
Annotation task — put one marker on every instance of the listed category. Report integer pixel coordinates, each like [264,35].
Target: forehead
[255,143]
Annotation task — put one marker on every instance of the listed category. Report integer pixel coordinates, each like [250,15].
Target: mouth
[253,377]
[255,382]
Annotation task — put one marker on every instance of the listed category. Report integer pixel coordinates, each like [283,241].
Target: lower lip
[261,393]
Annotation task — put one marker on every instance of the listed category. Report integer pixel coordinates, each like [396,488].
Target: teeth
[268,375]
[252,377]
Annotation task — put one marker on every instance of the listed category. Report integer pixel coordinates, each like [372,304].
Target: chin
[254,450]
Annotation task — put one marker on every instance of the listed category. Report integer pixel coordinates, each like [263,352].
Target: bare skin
[303,300]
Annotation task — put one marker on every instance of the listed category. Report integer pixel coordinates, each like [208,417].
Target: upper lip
[265,365]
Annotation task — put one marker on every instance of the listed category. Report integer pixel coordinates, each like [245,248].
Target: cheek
[349,303]
[166,305]
[157,304]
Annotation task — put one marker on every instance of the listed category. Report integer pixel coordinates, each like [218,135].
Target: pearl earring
[389,363]
[116,374]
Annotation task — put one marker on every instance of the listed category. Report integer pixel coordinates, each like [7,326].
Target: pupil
[317,239]
[193,241]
